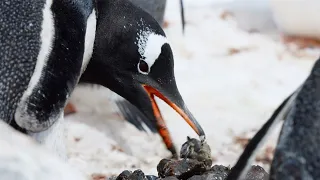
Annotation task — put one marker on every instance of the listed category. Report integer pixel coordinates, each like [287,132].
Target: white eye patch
[149,47]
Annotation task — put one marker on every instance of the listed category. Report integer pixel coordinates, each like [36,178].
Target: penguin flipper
[59,65]
[241,167]
[135,116]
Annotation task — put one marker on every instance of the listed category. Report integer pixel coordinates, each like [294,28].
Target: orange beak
[182,111]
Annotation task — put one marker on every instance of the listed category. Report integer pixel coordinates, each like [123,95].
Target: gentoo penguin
[45,45]
[133,58]
[131,113]
[297,152]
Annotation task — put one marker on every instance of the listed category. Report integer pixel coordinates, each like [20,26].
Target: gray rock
[195,149]
[151,177]
[182,169]
[135,175]
[124,175]
[218,172]
[21,158]
[257,173]
[170,178]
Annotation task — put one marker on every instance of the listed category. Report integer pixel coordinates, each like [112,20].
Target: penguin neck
[101,73]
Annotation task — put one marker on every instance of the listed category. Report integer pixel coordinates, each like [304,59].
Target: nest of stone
[195,164]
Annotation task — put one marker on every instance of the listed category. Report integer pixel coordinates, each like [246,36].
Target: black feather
[182,16]
[135,116]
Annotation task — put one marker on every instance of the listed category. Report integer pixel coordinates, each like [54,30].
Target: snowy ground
[230,78]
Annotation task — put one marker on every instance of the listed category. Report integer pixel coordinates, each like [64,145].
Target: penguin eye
[143,67]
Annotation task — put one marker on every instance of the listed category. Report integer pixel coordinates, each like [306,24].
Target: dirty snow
[230,79]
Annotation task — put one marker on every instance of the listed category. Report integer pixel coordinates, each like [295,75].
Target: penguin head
[133,58]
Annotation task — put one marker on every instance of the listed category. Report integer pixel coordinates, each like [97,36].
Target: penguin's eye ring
[143,67]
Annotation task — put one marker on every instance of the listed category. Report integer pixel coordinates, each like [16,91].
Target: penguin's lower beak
[180,108]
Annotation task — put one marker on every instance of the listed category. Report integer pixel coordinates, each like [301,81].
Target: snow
[231,80]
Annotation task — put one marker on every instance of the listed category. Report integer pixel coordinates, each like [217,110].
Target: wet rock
[216,172]
[112,178]
[182,169]
[195,149]
[257,173]
[135,175]
[195,165]
[124,175]
[196,160]
[170,178]
[151,177]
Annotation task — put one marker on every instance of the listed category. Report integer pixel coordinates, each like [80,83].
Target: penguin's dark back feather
[20,28]
[297,153]
[58,67]
[255,142]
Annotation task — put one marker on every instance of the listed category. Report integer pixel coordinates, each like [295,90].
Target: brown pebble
[98,176]
[116,148]
[165,24]
[242,141]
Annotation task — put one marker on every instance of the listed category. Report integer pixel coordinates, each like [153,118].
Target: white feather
[89,39]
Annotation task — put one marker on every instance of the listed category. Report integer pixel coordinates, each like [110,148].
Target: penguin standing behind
[48,44]
[297,152]
[45,44]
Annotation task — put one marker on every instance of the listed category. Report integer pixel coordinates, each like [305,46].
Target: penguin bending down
[297,151]
[131,113]
[133,58]
[47,45]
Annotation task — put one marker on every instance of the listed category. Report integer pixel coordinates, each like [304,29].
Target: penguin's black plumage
[297,153]
[20,27]
[127,110]
[43,51]
[133,58]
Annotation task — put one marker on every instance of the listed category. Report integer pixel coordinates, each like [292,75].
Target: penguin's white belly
[53,138]
[297,17]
